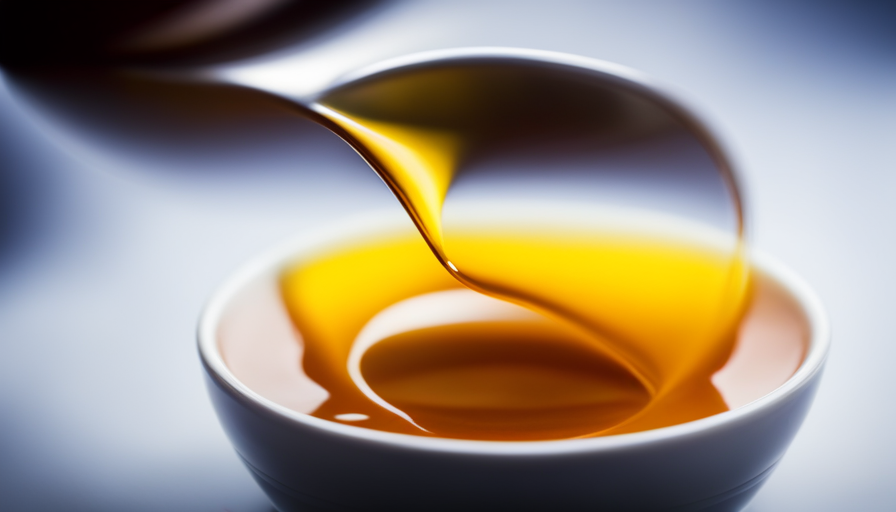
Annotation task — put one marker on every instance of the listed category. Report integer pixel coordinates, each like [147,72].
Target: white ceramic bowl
[307,463]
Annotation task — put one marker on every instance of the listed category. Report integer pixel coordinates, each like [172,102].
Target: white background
[106,258]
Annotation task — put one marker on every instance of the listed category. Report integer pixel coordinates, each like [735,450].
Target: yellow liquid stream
[655,314]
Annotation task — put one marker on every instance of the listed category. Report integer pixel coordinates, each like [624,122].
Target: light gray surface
[109,259]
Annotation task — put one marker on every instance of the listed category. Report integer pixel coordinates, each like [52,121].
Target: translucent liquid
[655,314]
[501,371]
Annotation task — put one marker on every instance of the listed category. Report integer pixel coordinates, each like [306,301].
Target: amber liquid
[625,329]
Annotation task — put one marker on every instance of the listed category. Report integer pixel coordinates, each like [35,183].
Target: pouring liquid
[624,330]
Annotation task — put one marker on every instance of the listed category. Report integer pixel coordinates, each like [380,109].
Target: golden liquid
[655,315]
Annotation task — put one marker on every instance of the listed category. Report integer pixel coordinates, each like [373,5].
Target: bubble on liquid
[352,416]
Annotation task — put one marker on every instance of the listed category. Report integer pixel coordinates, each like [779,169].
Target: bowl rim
[378,224]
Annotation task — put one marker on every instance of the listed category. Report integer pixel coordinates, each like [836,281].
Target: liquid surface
[388,334]
[259,342]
